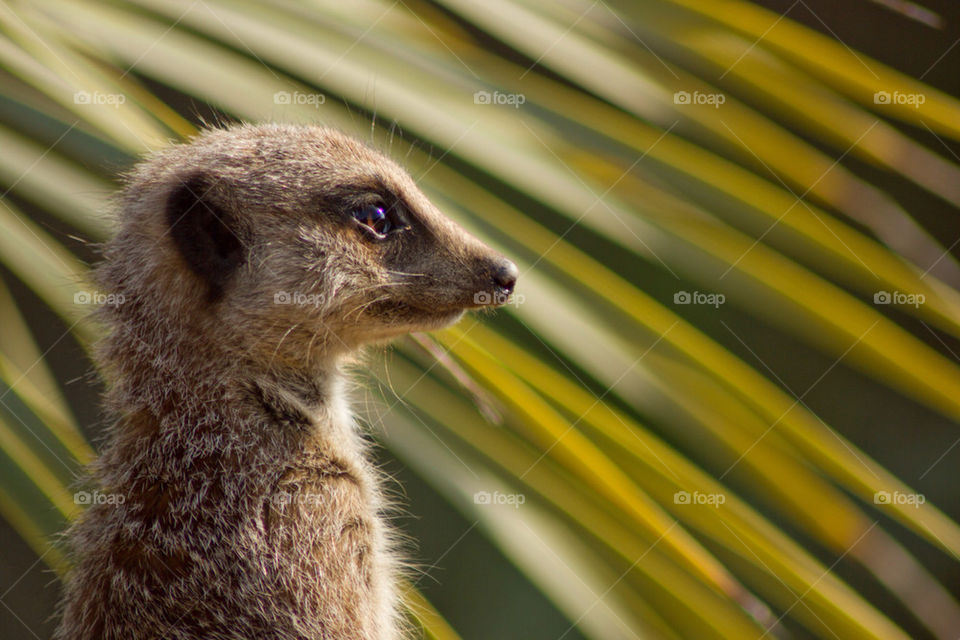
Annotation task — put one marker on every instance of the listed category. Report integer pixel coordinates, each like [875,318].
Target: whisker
[282,338]
[362,307]
[407,274]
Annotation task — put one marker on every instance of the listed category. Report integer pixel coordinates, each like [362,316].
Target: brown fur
[249,507]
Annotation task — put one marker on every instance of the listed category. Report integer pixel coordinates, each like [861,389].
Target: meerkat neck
[210,401]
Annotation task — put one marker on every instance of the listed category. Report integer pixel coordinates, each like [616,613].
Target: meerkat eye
[382,222]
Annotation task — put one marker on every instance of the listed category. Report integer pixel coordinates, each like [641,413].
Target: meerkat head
[286,239]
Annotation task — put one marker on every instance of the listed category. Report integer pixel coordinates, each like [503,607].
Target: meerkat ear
[205,234]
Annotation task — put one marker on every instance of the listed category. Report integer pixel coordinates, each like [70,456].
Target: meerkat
[250,266]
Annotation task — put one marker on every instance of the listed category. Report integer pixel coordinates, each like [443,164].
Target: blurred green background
[724,402]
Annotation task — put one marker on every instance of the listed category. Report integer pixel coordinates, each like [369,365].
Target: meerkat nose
[505,276]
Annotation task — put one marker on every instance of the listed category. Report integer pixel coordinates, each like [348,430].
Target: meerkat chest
[327,488]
